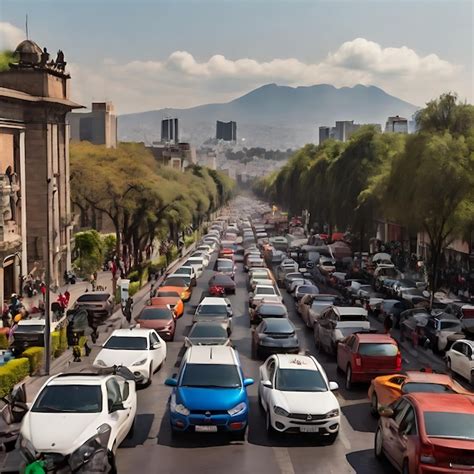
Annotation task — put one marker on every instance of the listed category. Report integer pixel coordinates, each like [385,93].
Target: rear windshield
[126,343]
[378,349]
[272,310]
[353,317]
[282,326]
[168,294]
[180,281]
[211,376]
[449,425]
[426,387]
[93,297]
[156,313]
[208,331]
[265,291]
[213,309]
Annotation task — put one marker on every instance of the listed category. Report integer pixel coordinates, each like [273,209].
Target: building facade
[396,124]
[98,126]
[170,130]
[324,134]
[34,180]
[226,131]
[175,156]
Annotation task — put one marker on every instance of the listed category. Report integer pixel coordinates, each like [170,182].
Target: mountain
[272,116]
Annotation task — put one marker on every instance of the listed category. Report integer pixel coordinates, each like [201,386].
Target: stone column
[24,241]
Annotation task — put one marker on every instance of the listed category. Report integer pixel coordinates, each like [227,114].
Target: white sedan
[460,359]
[141,350]
[297,397]
[78,420]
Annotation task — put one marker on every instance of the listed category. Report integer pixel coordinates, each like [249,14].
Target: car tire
[378,444]
[150,374]
[448,366]
[238,435]
[331,438]
[349,378]
[374,403]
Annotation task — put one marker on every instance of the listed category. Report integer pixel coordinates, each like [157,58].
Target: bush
[3,341]
[35,357]
[63,345]
[89,247]
[59,341]
[79,348]
[13,372]
[134,276]
[55,337]
[133,288]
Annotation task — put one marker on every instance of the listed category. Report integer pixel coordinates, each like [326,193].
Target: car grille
[306,417]
[209,412]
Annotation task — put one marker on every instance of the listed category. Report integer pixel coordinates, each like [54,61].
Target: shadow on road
[359,417]
[143,423]
[364,462]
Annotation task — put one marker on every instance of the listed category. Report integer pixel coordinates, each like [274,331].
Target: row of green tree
[248,154]
[144,201]
[423,181]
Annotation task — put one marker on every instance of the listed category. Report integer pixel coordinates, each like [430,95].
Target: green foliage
[55,341]
[133,288]
[134,276]
[11,373]
[109,244]
[89,248]
[35,356]
[6,57]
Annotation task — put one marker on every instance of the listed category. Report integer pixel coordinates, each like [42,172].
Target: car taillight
[399,360]
[427,454]
[358,361]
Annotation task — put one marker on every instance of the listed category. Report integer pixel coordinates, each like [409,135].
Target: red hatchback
[363,356]
[424,433]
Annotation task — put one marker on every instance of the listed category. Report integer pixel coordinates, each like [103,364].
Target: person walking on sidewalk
[128,309]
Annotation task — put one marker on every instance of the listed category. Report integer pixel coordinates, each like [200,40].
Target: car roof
[32,322]
[428,377]
[211,355]
[78,379]
[451,403]
[132,332]
[296,361]
[348,310]
[264,286]
[213,300]
[90,293]
[375,337]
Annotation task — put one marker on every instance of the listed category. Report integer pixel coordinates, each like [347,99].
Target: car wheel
[268,424]
[112,465]
[374,405]
[331,438]
[378,444]
[348,378]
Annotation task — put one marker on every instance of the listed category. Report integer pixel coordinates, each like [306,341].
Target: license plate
[206,429]
[309,429]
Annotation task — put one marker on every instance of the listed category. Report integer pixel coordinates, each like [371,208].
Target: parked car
[224,281]
[174,302]
[460,310]
[327,264]
[305,289]
[216,310]
[460,359]
[267,310]
[254,262]
[260,292]
[425,433]
[29,333]
[297,397]
[366,355]
[76,413]
[204,256]
[160,318]
[259,281]
[209,394]
[386,389]
[141,350]
[441,331]
[179,281]
[311,313]
[207,333]
[225,266]
[100,303]
[298,282]
[274,335]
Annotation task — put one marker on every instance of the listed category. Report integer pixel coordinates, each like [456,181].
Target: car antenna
[211,353]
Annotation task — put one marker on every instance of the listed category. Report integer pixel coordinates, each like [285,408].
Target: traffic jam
[320,327]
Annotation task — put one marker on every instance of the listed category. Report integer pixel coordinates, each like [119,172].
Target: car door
[456,355]
[390,434]
[344,352]
[117,418]
[465,361]
[406,427]
[157,349]
[270,367]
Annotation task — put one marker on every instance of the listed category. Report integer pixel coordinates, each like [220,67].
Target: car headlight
[84,453]
[26,446]
[140,362]
[237,409]
[100,362]
[178,407]
[333,413]
[280,411]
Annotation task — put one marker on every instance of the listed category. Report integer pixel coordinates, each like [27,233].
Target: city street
[152,446]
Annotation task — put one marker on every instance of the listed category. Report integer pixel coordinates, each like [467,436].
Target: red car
[363,356]
[425,434]
[160,318]
[224,281]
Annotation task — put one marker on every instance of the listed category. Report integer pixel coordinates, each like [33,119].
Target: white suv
[297,397]
[78,420]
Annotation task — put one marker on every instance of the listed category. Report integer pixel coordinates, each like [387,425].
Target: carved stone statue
[44,58]
[60,63]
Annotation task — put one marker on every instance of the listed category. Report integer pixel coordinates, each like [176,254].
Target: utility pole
[47,313]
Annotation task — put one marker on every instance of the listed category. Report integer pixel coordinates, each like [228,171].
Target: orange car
[182,282]
[386,389]
[175,302]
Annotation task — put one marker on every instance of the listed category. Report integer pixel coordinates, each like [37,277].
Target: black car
[274,336]
[393,308]
[224,281]
[208,333]
[268,310]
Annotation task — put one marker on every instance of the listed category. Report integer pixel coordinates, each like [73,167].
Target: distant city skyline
[145,55]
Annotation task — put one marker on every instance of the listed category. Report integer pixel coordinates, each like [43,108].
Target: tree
[89,248]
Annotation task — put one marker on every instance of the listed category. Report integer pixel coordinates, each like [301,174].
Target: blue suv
[209,393]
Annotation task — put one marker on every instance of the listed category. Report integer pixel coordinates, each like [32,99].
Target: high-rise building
[98,126]
[396,124]
[344,129]
[324,134]
[169,130]
[226,131]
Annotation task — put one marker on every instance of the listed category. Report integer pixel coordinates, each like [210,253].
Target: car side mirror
[117,406]
[386,412]
[156,345]
[248,382]
[171,382]
[267,384]
[333,386]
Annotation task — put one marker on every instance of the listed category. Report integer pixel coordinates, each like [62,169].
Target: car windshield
[300,380]
[69,399]
[168,294]
[282,326]
[353,317]
[449,425]
[378,349]
[272,310]
[329,299]
[264,291]
[211,375]
[214,309]
[156,313]
[92,297]
[224,265]
[180,281]
[208,331]
[126,343]
[221,280]
[426,387]
[30,328]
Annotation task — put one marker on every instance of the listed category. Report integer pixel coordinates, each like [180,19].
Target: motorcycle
[12,413]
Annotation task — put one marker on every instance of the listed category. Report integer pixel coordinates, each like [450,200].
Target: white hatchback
[460,359]
[141,350]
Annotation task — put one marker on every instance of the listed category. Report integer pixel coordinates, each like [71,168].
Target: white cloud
[182,81]
[10,36]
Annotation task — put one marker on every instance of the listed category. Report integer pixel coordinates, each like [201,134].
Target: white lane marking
[283,459]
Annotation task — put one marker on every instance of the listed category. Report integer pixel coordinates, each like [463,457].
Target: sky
[150,54]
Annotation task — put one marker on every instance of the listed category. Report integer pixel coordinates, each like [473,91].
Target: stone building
[34,175]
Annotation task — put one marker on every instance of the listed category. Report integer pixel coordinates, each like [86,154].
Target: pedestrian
[43,290]
[387,324]
[93,282]
[128,309]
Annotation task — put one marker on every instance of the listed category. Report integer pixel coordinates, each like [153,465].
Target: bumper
[166,335]
[196,423]
[368,376]
[265,351]
[285,424]
[458,469]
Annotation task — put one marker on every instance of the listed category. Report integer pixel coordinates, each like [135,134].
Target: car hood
[153,323]
[195,398]
[205,341]
[59,432]
[113,357]
[306,402]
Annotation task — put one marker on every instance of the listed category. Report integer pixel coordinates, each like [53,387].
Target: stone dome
[28,52]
